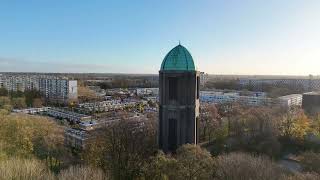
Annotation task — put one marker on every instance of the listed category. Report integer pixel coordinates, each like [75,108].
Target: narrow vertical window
[172,138]
[173,89]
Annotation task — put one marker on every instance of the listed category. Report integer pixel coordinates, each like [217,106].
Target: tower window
[172,138]
[173,88]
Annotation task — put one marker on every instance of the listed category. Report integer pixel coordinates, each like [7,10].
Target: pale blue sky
[224,36]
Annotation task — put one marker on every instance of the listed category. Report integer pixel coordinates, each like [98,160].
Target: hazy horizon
[156,74]
[224,37]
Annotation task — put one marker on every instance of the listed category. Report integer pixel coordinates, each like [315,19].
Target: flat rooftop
[313,93]
[290,96]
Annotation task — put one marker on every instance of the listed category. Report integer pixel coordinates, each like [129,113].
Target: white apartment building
[58,89]
[147,91]
[203,78]
[255,100]
[291,100]
[19,83]
[222,97]
[52,87]
[31,110]
[71,116]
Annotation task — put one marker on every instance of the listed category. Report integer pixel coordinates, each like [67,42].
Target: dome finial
[179,42]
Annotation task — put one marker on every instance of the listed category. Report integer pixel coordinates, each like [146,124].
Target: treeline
[230,84]
[19,99]
[29,137]
[263,130]
[237,143]
[126,83]
[276,90]
[190,162]
[32,148]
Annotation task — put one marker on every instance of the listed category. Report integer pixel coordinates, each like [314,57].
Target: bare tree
[209,121]
[241,166]
[123,147]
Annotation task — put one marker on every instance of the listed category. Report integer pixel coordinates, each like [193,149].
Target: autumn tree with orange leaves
[295,125]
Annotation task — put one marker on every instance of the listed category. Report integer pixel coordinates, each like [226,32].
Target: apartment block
[53,88]
[291,100]
[203,78]
[305,84]
[19,83]
[258,99]
[57,89]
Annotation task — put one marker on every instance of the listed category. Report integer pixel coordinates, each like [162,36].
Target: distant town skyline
[251,37]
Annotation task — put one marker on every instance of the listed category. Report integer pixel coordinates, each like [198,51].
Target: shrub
[25,136]
[24,169]
[190,162]
[160,167]
[311,162]
[302,176]
[238,166]
[194,163]
[82,173]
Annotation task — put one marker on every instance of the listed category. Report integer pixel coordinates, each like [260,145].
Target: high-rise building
[19,82]
[53,88]
[179,83]
[203,78]
[58,89]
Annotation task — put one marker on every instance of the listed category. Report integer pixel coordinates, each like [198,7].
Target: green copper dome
[178,58]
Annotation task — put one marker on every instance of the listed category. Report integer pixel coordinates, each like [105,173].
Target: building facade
[147,91]
[291,100]
[311,102]
[76,138]
[218,97]
[19,82]
[251,99]
[304,84]
[203,78]
[71,116]
[53,88]
[58,89]
[179,83]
